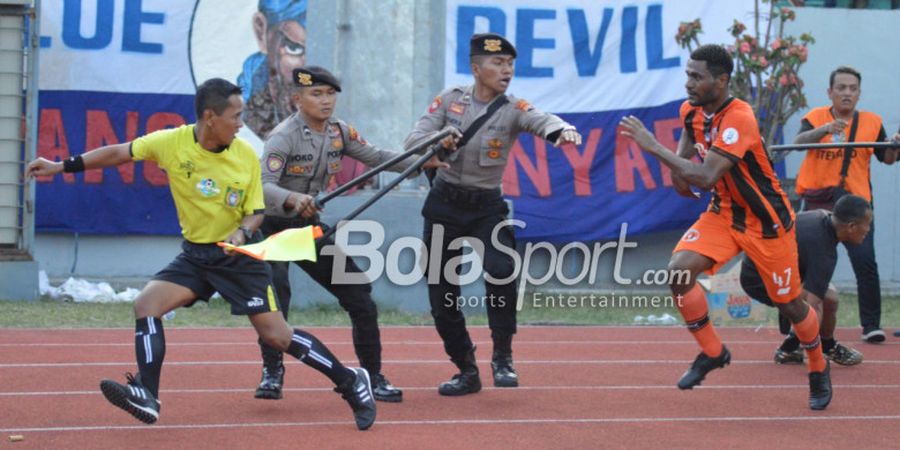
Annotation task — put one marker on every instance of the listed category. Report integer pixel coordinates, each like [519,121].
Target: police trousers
[473,213]
[356,299]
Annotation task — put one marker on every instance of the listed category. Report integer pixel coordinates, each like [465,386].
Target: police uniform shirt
[481,162]
[213,191]
[299,159]
[817,249]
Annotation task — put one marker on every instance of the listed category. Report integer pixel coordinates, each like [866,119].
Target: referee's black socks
[150,349]
[313,353]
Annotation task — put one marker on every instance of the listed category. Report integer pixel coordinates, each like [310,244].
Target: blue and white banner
[592,63]
[113,70]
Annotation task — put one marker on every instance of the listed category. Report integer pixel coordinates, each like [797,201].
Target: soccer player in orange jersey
[749,212]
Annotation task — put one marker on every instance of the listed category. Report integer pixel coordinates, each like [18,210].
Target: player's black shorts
[753,285]
[244,282]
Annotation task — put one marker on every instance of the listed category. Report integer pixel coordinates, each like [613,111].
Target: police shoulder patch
[274,162]
[354,135]
[523,105]
[435,104]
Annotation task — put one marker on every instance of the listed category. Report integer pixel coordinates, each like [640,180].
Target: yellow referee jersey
[212,191]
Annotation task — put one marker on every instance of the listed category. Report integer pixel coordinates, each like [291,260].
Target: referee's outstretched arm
[106,156]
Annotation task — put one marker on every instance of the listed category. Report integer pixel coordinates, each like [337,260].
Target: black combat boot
[466,381]
[504,374]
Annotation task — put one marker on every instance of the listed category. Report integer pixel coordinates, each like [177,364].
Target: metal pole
[819,146]
[414,167]
[380,168]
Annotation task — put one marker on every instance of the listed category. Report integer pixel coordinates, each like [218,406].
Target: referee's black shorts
[205,269]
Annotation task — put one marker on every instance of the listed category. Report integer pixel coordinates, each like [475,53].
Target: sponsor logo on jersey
[207,187]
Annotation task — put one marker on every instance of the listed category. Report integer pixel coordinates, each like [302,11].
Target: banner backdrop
[112,70]
[592,63]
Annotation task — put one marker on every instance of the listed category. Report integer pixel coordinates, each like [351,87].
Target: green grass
[47,313]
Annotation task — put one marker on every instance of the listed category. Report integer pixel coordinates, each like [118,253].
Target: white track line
[491,422]
[665,387]
[256,362]
[413,327]
[517,343]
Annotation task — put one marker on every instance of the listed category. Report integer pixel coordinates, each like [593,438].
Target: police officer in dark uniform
[818,234]
[465,200]
[301,155]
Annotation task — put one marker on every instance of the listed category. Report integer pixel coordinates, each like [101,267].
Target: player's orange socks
[808,332]
[695,311]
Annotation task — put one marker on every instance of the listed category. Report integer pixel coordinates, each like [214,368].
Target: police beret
[315,75]
[490,44]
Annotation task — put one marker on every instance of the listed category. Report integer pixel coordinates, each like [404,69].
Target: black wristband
[73,164]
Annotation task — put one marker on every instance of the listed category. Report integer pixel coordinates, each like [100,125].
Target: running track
[581,387]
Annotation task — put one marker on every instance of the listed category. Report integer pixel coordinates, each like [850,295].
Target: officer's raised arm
[548,126]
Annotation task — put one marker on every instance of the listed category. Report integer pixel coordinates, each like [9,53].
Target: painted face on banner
[287,49]
[235,40]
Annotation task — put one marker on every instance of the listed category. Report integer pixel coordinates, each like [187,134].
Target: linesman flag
[292,244]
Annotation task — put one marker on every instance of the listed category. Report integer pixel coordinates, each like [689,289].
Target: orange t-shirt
[749,194]
[822,168]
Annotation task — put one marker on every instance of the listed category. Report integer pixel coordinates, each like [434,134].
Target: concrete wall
[389,56]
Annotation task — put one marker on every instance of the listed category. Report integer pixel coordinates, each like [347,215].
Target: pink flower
[745,47]
[804,52]
[763,62]
[783,80]
[776,44]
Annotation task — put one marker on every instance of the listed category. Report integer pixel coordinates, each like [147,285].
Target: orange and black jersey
[749,194]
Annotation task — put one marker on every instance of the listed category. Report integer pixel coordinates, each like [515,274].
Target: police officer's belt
[466,196]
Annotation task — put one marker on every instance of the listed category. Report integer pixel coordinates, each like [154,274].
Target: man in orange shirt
[749,212]
[825,175]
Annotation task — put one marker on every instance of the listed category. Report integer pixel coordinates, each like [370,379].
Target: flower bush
[766,65]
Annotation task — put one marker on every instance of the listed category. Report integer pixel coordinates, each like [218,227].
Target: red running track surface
[582,387]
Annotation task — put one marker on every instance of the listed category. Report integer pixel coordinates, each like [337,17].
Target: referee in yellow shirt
[215,182]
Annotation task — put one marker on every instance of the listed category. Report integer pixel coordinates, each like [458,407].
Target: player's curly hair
[718,60]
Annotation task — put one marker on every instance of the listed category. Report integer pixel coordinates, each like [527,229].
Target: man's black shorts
[244,282]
